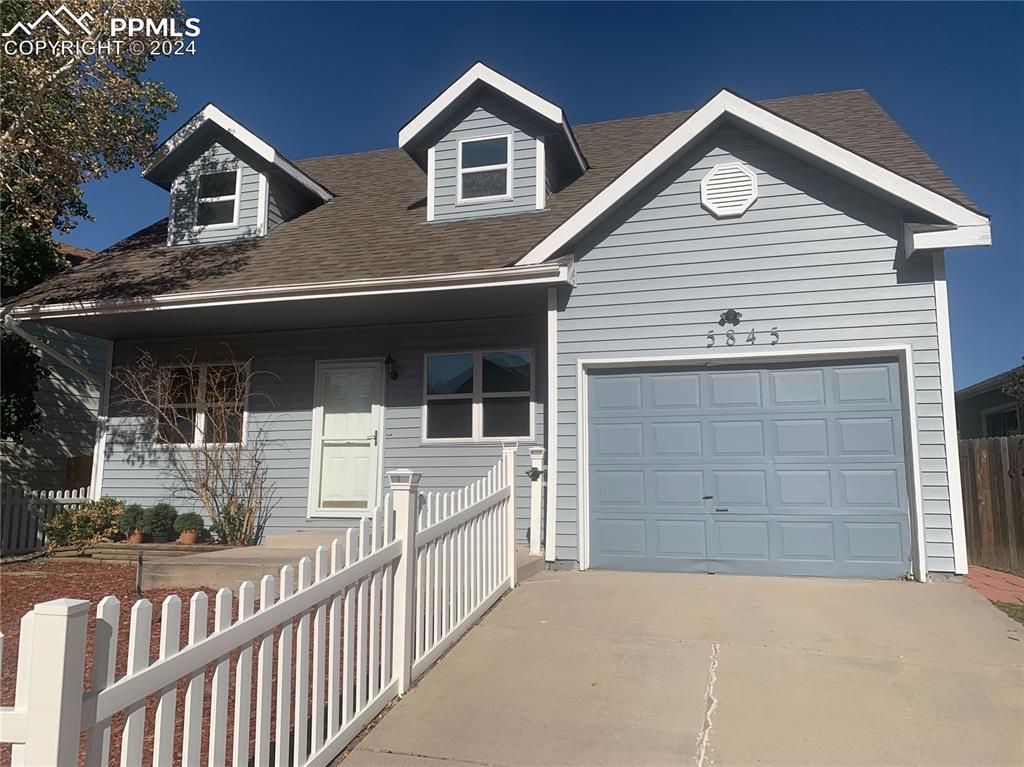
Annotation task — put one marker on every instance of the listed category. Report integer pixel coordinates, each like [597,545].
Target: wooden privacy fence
[992,473]
[291,682]
[23,512]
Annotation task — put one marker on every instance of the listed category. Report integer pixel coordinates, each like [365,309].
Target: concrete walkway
[648,669]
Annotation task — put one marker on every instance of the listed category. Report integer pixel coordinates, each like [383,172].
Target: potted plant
[190,527]
[130,523]
[159,520]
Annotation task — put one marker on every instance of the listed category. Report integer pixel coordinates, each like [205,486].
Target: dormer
[490,147]
[226,183]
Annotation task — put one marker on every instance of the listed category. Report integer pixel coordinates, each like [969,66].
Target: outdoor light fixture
[391,367]
[729,317]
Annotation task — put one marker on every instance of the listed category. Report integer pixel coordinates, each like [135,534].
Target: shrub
[159,519]
[189,521]
[131,518]
[85,524]
[233,526]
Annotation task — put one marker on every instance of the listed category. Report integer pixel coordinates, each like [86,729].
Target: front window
[485,169]
[202,404]
[479,395]
[217,199]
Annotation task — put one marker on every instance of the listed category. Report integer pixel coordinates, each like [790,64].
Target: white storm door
[346,439]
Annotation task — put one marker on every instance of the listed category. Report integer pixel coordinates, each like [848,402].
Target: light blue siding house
[725,329]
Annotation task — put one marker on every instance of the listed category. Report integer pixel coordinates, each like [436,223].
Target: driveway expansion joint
[710,704]
[434,757]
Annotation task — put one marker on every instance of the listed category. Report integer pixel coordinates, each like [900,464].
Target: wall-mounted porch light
[391,367]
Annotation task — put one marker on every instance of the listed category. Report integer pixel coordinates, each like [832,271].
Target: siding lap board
[814,257]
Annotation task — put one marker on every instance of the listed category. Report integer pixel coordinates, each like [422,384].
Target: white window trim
[313,508]
[1009,407]
[237,197]
[477,398]
[198,405]
[506,166]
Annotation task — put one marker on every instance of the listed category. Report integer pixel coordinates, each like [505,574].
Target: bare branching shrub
[197,415]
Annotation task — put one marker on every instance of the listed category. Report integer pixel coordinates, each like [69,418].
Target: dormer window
[217,199]
[485,169]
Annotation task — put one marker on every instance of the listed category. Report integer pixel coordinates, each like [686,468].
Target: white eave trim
[480,72]
[254,143]
[976,236]
[554,273]
[746,113]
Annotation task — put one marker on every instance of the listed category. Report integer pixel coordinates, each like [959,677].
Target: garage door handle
[708,497]
[719,508]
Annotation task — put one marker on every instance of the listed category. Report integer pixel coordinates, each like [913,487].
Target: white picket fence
[23,512]
[289,683]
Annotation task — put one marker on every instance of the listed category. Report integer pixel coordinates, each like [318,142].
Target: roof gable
[455,97]
[202,129]
[762,121]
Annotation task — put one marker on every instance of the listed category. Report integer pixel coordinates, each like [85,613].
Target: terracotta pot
[189,537]
[135,536]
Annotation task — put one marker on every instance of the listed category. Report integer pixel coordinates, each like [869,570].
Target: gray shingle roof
[376,227]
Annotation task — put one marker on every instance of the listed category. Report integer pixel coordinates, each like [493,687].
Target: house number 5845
[751,338]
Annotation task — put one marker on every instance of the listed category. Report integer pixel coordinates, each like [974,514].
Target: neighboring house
[58,454]
[985,410]
[729,326]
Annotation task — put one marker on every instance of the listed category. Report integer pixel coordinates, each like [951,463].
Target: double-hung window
[479,395]
[485,169]
[201,404]
[217,198]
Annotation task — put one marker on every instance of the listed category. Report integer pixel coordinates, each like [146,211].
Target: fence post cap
[64,607]
[402,479]
[537,452]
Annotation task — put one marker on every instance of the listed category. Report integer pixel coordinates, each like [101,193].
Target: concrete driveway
[603,668]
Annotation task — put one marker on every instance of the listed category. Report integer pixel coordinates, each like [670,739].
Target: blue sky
[331,78]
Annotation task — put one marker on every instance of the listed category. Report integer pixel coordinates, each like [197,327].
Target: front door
[345,474]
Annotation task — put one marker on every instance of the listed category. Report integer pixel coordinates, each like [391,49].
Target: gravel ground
[25,584]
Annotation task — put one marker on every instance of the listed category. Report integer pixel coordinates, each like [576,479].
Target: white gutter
[963,236]
[549,273]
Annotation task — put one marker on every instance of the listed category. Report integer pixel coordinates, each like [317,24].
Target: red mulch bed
[25,584]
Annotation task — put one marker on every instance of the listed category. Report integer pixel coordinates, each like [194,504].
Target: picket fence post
[536,498]
[405,499]
[508,458]
[56,682]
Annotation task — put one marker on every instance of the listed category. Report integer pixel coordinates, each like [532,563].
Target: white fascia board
[254,143]
[971,236]
[480,72]
[746,113]
[555,273]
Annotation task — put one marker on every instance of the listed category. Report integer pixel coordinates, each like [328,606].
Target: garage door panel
[796,387]
[733,390]
[740,539]
[675,391]
[873,436]
[804,466]
[746,490]
[732,438]
[800,438]
[676,439]
[679,488]
[616,394]
[680,538]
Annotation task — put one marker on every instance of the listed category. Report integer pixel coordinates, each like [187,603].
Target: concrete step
[303,539]
[230,567]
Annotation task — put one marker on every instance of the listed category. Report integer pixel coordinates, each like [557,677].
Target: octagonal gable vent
[728,190]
